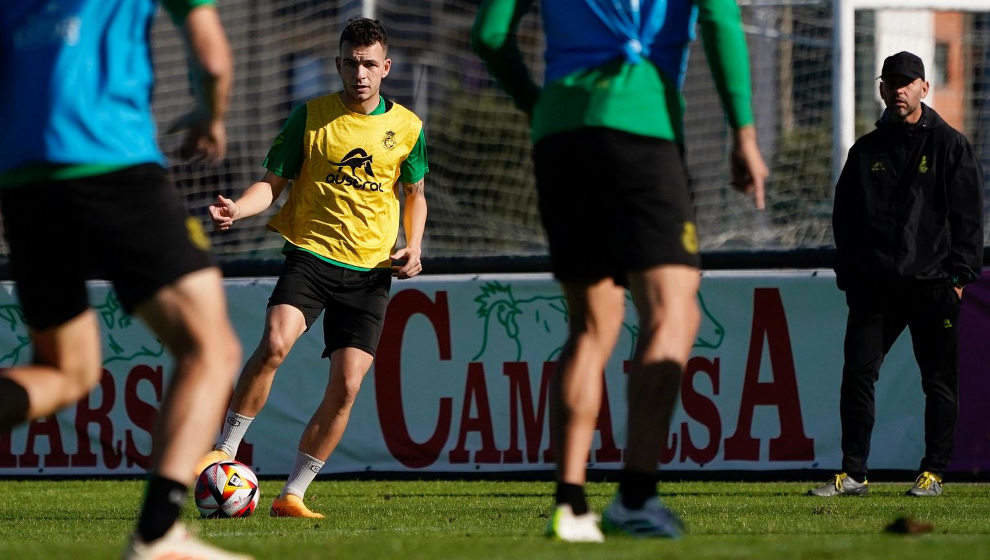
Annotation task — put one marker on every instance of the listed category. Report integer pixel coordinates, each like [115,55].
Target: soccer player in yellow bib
[346,153]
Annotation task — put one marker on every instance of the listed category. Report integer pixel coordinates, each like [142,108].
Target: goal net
[480,188]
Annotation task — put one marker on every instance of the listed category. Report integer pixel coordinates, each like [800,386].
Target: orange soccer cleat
[292,506]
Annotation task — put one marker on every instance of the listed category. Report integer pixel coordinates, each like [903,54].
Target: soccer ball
[227,489]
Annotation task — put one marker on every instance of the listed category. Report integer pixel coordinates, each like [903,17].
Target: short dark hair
[364,32]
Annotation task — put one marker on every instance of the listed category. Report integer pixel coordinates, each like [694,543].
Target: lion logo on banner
[123,338]
[532,319]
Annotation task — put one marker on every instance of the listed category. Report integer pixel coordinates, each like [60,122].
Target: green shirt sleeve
[728,57]
[179,9]
[415,167]
[493,37]
[286,154]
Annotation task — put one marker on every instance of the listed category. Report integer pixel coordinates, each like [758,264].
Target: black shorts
[612,203]
[355,300]
[129,226]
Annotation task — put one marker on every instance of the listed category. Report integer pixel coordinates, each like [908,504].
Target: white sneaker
[651,520]
[841,485]
[928,484]
[176,543]
[565,526]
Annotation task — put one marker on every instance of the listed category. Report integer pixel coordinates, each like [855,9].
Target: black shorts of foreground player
[608,127]
[635,184]
[108,226]
[908,226]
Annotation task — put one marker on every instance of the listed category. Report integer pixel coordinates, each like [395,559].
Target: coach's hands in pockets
[411,267]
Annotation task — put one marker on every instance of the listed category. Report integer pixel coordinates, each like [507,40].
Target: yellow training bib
[344,205]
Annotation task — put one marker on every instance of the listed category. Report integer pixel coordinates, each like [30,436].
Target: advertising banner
[460,384]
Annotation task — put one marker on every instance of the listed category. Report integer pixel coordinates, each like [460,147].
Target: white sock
[303,473]
[234,427]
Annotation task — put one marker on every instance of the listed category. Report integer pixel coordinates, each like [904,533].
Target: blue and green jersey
[75,86]
[616,63]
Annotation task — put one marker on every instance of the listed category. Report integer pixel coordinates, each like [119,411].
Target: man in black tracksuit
[908,227]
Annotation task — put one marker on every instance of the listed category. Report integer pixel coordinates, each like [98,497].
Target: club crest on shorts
[689,238]
[196,234]
[389,140]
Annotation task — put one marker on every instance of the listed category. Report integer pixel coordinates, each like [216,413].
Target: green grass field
[492,520]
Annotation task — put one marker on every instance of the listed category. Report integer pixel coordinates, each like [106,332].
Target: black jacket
[909,205]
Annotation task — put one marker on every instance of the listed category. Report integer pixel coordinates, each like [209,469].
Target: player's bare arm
[414,222]
[258,197]
[212,68]
[748,168]
[725,45]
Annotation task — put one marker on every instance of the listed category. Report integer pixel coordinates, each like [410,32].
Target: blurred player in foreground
[613,195]
[908,226]
[83,189]
[346,153]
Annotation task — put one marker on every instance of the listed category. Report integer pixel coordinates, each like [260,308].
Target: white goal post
[843,83]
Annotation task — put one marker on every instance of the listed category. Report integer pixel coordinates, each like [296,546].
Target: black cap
[903,64]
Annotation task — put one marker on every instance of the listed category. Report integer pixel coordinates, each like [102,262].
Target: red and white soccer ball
[227,489]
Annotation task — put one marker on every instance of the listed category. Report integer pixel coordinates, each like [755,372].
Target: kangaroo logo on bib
[354,159]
